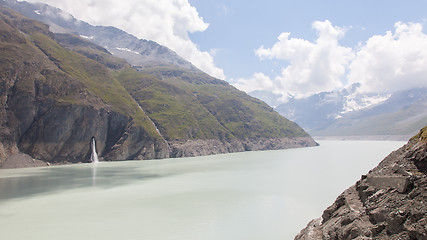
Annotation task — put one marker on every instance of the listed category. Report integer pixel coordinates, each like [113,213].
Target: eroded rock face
[390,202]
[60,132]
[201,147]
[49,114]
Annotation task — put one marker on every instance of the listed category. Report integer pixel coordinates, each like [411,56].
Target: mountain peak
[141,52]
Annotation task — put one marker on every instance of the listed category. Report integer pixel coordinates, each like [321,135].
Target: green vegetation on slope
[421,136]
[176,112]
[241,115]
[184,104]
[57,91]
[95,77]
[244,116]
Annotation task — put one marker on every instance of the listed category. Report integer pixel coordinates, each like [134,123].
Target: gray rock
[387,203]
[400,183]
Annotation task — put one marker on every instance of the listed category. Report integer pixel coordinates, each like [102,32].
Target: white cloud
[392,62]
[258,81]
[313,66]
[164,21]
[383,64]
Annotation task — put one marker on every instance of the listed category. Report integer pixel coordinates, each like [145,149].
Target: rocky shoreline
[366,138]
[189,148]
[387,203]
[201,147]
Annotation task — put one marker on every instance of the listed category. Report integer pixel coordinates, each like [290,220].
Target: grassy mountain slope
[189,104]
[232,113]
[98,79]
[176,112]
[57,91]
[242,115]
[54,100]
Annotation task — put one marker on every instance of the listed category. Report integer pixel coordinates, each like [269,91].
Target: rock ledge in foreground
[390,202]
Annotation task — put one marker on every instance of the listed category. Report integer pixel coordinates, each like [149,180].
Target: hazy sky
[297,47]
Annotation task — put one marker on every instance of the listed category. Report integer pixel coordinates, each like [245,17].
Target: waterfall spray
[93,155]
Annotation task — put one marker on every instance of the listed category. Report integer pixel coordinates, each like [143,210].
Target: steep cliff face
[387,203]
[53,100]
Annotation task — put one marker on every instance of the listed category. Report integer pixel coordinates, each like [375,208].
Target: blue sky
[290,48]
[238,27]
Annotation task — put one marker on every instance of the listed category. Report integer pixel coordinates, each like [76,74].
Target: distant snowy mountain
[268,97]
[138,52]
[346,113]
[314,111]
[322,109]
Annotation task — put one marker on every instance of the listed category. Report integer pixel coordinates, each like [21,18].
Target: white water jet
[93,155]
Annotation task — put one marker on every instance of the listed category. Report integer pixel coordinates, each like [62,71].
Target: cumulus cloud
[383,64]
[164,21]
[393,61]
[313,66]
[258,81]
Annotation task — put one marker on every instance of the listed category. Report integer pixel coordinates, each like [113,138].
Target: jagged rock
[387,203]
[400,183]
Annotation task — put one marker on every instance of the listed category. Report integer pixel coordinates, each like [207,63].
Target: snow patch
[127,50]
[332,98]
[37,12]
[87,37]
[355,103]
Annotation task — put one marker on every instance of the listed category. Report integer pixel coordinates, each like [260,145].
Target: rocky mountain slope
[53,100]
[138,52]
[387,118]
[387,203]
[59,90]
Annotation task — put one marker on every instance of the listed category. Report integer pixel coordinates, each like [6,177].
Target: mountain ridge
[138,52]
[328,114]
[73,89]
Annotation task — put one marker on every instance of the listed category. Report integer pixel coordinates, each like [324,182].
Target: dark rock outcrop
[390,202]
[191,148]
[49,113]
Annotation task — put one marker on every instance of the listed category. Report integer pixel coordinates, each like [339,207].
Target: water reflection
[94,166]
[53,179]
